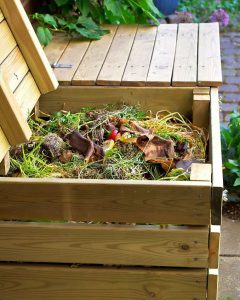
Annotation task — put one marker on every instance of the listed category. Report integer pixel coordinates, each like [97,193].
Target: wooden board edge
[5,165]
[212,284]
[201,108]
[214,246]
[201,172]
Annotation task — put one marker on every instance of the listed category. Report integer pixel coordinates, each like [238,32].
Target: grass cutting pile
[110,143]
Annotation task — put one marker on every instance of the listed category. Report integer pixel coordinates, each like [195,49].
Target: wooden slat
[4,145]
[73,55]
[201,109]
[29,45]
[216,158]
[116,60]
[214,244]
[14,68]
[201,172]
[5,165]
[212,292]
[209,57]
[201,91]
[7,40]
[62,282]
[27,95]
[12,119]
[139,60]
[185,66]
[161,68]
[93,60]
[175,246]
[149,98]
[1,16]
[105,200]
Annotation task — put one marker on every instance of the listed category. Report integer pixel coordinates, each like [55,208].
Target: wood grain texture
[117,57]
[161,68]
[7,40]
[201,110]
[214,244]
[139,60]
[201,172]
[93,60]
[150,98]
[14,69]
[209,57]
[12,120]
[5,165]
[201,91]
[185,66]
[174,246]
[216,158]
[27,95]
[212,291]
[96,200]
[1,16]
[29,45]
[4,145]
[60,283]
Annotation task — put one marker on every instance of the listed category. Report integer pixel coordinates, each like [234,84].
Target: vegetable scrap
[115,142]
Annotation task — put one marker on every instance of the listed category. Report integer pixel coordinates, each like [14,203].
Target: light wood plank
[201,91]
[93,60]
[214,244]
[14,69]
[212,285]
[29,45]
[62,282]
[185,66]
[5,164]
[201,110]
[135,201]
[174,246]
[4,145]
[1,16]
[73,55]
[161,68]
[12,119]
[209,57]
[201,172]
[27,95]
[116,60]
[139,60]
[7,40]
[216,159]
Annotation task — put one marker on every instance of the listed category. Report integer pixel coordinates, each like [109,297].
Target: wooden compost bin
[170,67]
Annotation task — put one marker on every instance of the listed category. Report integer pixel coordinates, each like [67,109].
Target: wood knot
[185,247]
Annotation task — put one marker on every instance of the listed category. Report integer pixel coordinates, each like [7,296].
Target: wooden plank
[93,60]
[212,292]
[216,159]
[117,57]
[7,40]
[5,165]
[62,282]
[174,246]
[185,66]
[73,55]
[27,95]
[214,244]
[29,45]
[135,201]
[201,172]
[14,69]
[1,16]
[209,56]
[201,91]
[139,60]
[161,68]
[149,98]
[201,110]
[12,119]
[4,145]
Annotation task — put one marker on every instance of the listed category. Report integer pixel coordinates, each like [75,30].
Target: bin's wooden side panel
[174,246]
[105,201]
[212,291]
[4,145]
[214,245]
[62,282]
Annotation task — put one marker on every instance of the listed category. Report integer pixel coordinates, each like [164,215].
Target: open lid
[25,74]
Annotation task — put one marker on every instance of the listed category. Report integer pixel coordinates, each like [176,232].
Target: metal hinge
[62,66]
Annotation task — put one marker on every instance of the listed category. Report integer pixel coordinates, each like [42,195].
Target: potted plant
[167,7]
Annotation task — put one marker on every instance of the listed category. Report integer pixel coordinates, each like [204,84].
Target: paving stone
[229,72]
[232,79]
[231,97]
[230,237]
[229,107]
[229,88]
[230,50]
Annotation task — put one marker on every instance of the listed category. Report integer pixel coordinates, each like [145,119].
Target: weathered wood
[139,60]
[12,120]
[216,158]
[161,68]
[5,165]
[93,60]
[201,108]
[27,95]
[173,246]
[7,40]
[117,57]
[4,145]
[105,201]
[201,172]
[62,282]
[212,291]
[29,45]
[209,57]
[214,243]
[185,66]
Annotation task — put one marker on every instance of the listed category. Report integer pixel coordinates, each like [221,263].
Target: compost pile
[110,143]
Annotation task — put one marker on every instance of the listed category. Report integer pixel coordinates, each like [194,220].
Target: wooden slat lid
[25,74]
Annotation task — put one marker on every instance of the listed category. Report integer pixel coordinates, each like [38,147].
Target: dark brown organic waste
[110,143]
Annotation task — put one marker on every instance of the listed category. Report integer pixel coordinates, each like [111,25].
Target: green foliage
[230,138]
[82,17]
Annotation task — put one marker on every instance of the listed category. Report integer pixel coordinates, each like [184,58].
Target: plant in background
[83,17]
[230,138]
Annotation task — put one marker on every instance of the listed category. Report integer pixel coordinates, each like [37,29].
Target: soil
[231,210]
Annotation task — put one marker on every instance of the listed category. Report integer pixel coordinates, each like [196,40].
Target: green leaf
[61,2]
[237,182]
[118,13]
[44,35]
